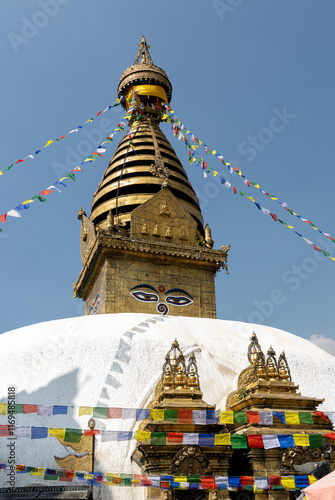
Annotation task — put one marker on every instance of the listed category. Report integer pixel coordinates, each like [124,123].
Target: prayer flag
[288,482]
[99,412]
[114,413]
[72,435]
[39,432]
[222,439]
[157,414]
[14,213]
[108,435]
[57,432]
[266,417]
[142,435]
[48,143]
[85,410]
[44,410]
[292,418]
[255,441]
[226,417]
[253,417]
[59,410]
[270,441]
[301,439]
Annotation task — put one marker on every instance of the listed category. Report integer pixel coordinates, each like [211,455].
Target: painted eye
[178,301]
[144,296]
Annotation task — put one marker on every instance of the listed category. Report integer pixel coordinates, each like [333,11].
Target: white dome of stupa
[115,360]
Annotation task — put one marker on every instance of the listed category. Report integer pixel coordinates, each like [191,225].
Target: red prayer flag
[207,483]
[3,218]
[174,437]
[248,183]
[99,113]
[275,480]
[204,166]
[185,416]
[89,432]
[275,218]
[317,248]
[59,138]
[255,441]
[236,168]
[320,414]
[165,484]
[18,161]
[235,190]
[247,480]
[45,192]
[330,435]
[114,413]
[253,417]
[6,430]
[29,408]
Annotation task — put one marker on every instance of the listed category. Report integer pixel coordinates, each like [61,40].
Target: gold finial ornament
[271,364]
[208,236]
[81,213]
[283,368]
[110,226]
[253,349]
[192,373]
[260,367]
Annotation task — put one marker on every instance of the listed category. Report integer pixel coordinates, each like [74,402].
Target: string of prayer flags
[235,441]
[167,482]
[182,416]
[49,142]
[178,127]
[70,176]
[178,134]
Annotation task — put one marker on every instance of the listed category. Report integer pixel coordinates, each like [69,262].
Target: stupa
[149,341]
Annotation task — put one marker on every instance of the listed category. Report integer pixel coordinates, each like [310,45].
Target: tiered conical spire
[144,159]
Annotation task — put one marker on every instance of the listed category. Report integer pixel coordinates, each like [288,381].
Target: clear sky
[254,80]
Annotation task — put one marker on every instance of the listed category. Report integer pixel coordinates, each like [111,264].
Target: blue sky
[254,80]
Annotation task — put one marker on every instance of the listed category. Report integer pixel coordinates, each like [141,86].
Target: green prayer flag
[18,409]
[240,417]
[239,441]
[194,479]
[99,412]
[72,175]
[72,435]
[282,222]
[158,438]
[53,477]
[325,253]
[315,440]
[8,168]
[171,415]
[305,417]
[243,194]
[40,198]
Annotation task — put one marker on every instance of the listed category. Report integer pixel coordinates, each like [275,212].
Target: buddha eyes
[144,296]
[178,301]
[175,300]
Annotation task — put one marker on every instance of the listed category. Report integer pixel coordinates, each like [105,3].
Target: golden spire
[144,52]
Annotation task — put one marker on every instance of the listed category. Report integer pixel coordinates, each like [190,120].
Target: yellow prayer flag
[27,201]
[257,186]
[215,173]
[332,258]
[39,471]
[273,198]
[89,120]
[194,147]
[239,173]
[251,198]
[85,410]
[226,417]
[157,414]
[301,439]
[3,408]
[294,213]
[222,439]
[180,479]
[288,483]
[142,435]
[48,143]
[312,479]
[214,152]
[192,160]
[290,227]
[89,159]
[57,433]
[200,142]
[1,173]
[292,418]
[88,476]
